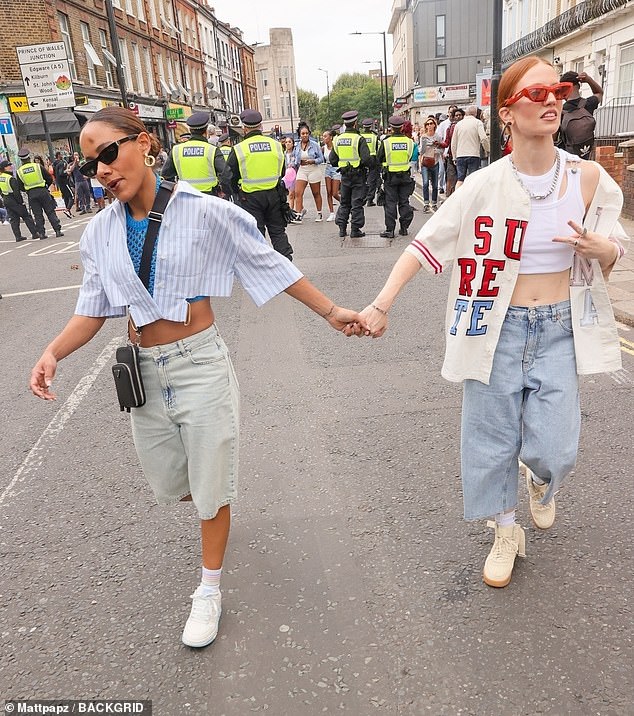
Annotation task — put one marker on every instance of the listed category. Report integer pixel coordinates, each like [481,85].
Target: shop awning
[61,123]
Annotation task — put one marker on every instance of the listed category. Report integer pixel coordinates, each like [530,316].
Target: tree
[308,104]
[351,80]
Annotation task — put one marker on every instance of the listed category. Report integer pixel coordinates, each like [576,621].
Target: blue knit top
[136,231]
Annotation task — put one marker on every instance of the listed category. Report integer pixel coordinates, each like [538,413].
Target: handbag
[126,372]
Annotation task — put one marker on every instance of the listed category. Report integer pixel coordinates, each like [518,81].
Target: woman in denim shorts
[333,177]
[186,434]
[532,239]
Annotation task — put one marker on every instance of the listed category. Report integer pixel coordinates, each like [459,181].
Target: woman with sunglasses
[186,434]
[430,153]
[531,240]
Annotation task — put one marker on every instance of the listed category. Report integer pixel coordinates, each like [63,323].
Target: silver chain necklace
[552,186]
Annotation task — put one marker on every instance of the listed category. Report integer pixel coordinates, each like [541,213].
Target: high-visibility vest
[398,153]
[5,185]
[260,160]
[194,162]
[347,148]
[226,151]
[31,175]
[372,140]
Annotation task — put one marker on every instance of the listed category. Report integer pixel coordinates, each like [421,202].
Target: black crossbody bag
[127,370]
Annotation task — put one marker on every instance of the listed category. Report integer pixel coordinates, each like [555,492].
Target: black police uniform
[41,202]
[373,182]
[267,206]
[197,123]
[16,209]
[353,187]
[399,186]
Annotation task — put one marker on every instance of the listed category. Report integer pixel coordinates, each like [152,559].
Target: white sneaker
[543,516]
[202,626]
[331,216]
[303,213]
[509,543]
[319,216]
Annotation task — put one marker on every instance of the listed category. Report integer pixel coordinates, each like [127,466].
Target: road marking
[627,346]
[37,453]
[41,290]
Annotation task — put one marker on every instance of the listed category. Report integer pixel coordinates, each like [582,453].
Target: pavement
[621,284]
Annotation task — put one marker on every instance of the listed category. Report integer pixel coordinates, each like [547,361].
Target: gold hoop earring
[150,160]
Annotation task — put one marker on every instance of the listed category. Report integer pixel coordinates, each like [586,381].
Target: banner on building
[483,88]
[442,93]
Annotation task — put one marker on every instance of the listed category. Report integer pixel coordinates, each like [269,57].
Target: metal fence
[615,118]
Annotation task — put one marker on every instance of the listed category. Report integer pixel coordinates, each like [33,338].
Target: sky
[316,40]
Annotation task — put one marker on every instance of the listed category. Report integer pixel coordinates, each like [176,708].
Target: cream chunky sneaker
[543,516]
[509,543]
[202,626]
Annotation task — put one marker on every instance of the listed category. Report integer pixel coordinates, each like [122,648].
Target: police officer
[394,155]
[224,145]
[351,154]
[257,166]
[34,182]
[14,203]
[373,179]
[196,161]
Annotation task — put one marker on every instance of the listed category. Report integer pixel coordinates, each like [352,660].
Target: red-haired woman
[186,434]
[531,240]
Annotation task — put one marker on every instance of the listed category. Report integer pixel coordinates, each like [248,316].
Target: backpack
[577,130]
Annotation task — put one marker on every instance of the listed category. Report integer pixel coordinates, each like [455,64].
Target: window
[153,16]
[138,70]
[441,50]
[625,87]
[161,75]
[125,63]
[128,7]
[265,77]
[578,65]
[150,73]
[109,60]
[267,108]
[64,29]
[140,13]
[92,58]
[441,74]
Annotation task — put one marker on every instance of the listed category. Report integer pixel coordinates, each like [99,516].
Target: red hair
[513,75]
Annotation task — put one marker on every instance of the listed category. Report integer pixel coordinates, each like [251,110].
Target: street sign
[46,76]
[5,125]
[18,104]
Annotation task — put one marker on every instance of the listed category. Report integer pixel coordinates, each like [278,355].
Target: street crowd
[530,240]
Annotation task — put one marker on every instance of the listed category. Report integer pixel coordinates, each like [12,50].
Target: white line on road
[41,290]
[36,455]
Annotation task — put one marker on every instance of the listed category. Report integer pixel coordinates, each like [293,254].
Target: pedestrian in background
[82,187]
[451,173]
[532,239]
[290,167]
[467,138]
[430,153]
[333,177]
[373,180]
[14,203]
[186,433]
[308,160]
[61,179]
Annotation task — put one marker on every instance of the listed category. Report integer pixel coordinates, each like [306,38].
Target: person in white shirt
[468,137]
[186,434]
[532,239]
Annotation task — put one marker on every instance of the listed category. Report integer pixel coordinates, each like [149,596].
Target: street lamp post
[494,120]
[327,92]
[387,100]
[380,64]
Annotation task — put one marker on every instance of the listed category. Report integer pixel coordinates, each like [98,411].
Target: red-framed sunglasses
[539,93]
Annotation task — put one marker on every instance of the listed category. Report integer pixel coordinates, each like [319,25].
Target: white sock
[505,519]
[210,583]
[536,479]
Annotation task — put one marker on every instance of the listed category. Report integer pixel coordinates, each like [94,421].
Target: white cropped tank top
[550,217]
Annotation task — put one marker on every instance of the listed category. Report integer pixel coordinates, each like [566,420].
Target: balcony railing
[616,118]
[562,25]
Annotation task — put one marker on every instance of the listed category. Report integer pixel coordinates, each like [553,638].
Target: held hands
[42,376]
[373,323]
[349,322]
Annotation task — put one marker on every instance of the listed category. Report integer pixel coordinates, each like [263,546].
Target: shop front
[153,116]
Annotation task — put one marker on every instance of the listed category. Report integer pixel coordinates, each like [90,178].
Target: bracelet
[380,310]
[327,315]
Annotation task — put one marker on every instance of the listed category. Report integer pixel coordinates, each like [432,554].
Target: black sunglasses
[107,155]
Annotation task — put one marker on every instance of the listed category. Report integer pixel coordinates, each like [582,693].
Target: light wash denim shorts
[529,411]
[332,172]
[186,434]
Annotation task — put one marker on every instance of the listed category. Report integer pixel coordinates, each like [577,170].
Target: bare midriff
[541,289]
[161,332]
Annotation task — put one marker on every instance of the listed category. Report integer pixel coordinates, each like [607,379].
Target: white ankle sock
[536,479]
[210,581]
[505,519]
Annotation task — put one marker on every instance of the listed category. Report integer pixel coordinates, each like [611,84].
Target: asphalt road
[351,582]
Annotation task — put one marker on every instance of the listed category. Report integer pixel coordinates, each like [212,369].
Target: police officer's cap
[223,137]
[396,121]
[24,152]
[251,118]
[4,164]
[198,120]
[367,122]
[350,117]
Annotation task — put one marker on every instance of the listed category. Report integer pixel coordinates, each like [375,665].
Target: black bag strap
[156,217]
